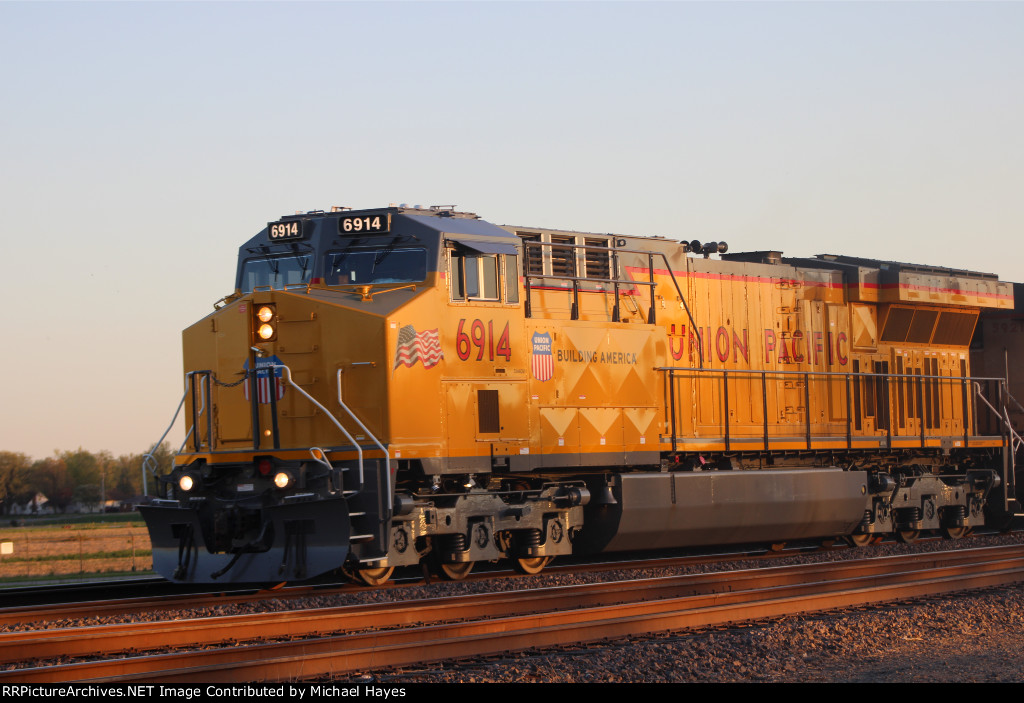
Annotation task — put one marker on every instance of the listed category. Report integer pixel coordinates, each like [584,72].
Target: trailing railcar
[998,346]
[997,349]
[396,385]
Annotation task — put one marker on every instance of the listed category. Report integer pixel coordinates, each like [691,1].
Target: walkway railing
[863,397]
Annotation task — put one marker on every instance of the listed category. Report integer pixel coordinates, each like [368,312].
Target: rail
[351,639]
[863,396]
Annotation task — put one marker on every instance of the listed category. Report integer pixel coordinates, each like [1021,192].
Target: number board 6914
[291,229]
[373,224]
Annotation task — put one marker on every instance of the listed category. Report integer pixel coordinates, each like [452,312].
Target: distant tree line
[77,476]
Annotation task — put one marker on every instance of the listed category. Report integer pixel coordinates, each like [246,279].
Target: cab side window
[478,276]
[511,278]
[474,276]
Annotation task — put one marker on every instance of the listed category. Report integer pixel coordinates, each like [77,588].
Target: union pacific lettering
[726,341]
[796,347]
[813,347]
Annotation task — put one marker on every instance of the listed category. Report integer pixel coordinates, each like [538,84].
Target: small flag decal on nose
[424,347]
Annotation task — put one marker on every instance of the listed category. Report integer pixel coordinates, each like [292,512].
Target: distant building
[38,505]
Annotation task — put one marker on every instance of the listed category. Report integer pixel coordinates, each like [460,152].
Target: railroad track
[113,599]
[353,639]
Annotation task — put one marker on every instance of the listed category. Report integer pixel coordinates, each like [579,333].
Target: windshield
[384,265]
[275,272]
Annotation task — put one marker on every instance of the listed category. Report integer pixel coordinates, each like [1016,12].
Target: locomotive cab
[308,447]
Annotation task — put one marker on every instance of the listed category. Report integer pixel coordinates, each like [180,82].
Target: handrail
[1015,439]
[204,393]
[618,280]
[202,408]
[589,279]
[1015,401]
[359,450]
[885,381]
[148,460]
[387,454]
[754,372]
[682,299]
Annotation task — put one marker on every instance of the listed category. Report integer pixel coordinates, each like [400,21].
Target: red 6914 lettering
[481,337]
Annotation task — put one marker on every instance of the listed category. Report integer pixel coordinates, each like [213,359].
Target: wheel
[861,539]
[533,565]
[907,536]
[456,572]
[375,577]
[955,532]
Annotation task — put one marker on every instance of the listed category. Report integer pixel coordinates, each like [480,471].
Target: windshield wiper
[303,262]
[383,254]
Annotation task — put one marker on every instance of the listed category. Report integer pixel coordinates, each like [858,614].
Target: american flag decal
[542,362]
[412,347]
[263,383]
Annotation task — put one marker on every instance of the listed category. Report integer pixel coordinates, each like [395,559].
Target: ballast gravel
[971,637]
[965,637]
[974,636]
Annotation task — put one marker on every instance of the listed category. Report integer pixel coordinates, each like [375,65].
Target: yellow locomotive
[396,385]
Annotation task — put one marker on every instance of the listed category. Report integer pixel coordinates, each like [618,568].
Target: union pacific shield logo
[543,362]
[264,385]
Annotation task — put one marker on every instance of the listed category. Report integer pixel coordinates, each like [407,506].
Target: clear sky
[141,143]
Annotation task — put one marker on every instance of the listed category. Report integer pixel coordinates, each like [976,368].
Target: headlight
[265,323]
[282,479]
[185,483]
